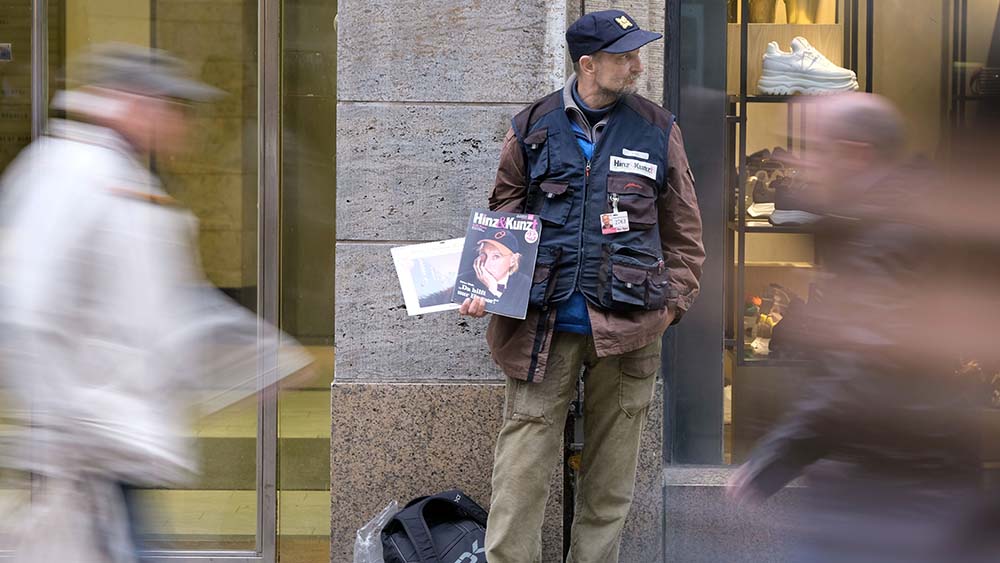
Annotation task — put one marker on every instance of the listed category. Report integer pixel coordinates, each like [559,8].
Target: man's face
[171,122]
[154,124]
[833,166]
[496,262]
[618,74]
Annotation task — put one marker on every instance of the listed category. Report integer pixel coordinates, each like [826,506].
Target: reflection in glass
[309,105]
[217,179]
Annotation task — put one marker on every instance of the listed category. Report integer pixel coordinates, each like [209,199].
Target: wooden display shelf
[778,264]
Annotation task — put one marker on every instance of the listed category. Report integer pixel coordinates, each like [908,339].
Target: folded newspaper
[498,260]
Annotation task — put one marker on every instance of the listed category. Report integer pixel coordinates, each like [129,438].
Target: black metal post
[741,218]
[870,47]
[963,57]
[847,35]
[854,35]
[672,56]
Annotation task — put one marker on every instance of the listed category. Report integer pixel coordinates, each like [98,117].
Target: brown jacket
[521,348]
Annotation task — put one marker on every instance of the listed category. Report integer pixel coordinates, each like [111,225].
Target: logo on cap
[500,235]
[623,22]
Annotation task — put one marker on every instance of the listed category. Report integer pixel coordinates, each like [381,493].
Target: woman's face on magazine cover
[496,262]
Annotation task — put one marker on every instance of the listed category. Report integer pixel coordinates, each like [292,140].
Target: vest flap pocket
[634,195]
[631,185]
[628,285]
[628,274]
[659,278]
[541,273]
[553,189]
[556,202]
[636,278]
[635,256]
[542,283]
[537,153]
[536,137]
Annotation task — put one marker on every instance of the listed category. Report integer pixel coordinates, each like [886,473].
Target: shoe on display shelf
[792,218]
[755,161]
[804,70]
[766,169]
[789,201]
[776,162]
[767,163]
[761,211]
[762,195]
[786,157]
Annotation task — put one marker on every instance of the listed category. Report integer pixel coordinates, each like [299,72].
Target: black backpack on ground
[448,527]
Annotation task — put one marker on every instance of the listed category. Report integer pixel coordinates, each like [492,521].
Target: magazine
[498,261]
[427,274]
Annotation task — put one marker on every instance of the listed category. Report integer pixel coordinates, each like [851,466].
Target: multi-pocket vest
[623,271]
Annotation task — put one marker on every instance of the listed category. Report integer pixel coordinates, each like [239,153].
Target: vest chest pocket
[636,196]
[556,202]
[536,147]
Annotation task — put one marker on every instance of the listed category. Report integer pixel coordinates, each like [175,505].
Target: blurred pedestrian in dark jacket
[887,434]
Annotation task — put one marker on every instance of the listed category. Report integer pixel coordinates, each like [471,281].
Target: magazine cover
[427,274]
[498,261]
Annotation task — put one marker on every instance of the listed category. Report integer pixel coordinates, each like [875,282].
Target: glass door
[308,153]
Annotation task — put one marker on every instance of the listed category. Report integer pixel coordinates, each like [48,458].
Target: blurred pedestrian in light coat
[109,335]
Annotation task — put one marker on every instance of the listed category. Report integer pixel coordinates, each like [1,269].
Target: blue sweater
[572,315]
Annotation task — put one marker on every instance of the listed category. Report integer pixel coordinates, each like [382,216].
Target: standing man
[600,301]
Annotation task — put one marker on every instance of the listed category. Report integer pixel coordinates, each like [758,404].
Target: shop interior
[935,60]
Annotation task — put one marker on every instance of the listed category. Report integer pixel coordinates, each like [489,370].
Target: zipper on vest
[583,225]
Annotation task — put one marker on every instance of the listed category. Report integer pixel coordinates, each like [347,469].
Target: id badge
[612,223]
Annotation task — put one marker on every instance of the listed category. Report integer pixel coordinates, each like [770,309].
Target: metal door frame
[268,229]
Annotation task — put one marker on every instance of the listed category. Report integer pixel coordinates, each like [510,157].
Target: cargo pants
[617,394]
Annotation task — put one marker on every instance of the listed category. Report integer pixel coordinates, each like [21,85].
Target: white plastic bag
[368,543]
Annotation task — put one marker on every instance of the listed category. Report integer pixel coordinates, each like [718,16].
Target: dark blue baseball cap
[611,31]
[504,238]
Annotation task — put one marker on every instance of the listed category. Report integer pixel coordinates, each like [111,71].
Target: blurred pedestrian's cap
[611,31]
[145,71]
[505,241]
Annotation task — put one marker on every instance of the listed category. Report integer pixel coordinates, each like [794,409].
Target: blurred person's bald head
[863,119]
[856,138]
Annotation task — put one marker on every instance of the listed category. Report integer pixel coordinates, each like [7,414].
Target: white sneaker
[803,70]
